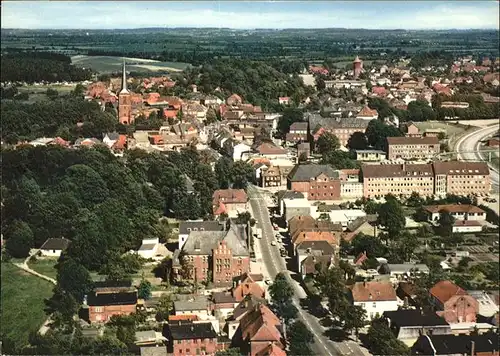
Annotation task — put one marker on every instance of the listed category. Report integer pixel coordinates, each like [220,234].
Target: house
[248,304]
[367,114]
[239,150]
[466,226]
[298,133]
[409,148]
[310,253]
[452,345]
[229,201]
[234,100]
[374,297]
[149,338]
[248,284]
[153,351]
[453,303]
[87,142]
[271,177]
[370,155]
[190,338]
[198,306]
[462,178]
[258,329]
[487,305]
[221,254]
[410,129]
[458,211]
[53,247]
[409,324]
[365,224]
[295,206]
[110,138]
[284,100]
[151,248]
[102,306]
[185,228]
[223,304]
[343,128]
[318,182]
[269,150]
[304,150]
[405,270]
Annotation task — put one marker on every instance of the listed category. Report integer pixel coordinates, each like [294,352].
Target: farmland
[22,304]
[107,64]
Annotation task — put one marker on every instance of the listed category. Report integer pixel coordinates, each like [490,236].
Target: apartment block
[462,178]
[412,147]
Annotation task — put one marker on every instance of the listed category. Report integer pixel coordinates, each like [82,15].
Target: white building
[54,247]
[374,297]
[459,212]
[464,226]
[351,190]
[149,248]
[239,149]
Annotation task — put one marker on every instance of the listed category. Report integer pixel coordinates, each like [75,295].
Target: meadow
[109,64]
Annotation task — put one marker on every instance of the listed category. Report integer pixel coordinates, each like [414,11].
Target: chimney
[472,348]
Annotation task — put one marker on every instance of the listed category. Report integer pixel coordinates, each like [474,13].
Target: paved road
[471,142]
[274,263]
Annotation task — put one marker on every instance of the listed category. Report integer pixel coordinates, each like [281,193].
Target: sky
[451,14]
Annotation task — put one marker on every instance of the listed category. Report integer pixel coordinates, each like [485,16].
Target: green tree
[281,296]
[327,142]
[165,306]
[382,341]
[144,289]
[357,141]
[300,339]
[74,279]
[415,200]
[289,116]
[446,221]
[19,239]
[62,307]
[392,217]
[233,351]
[211,116]
[124,327]
[354,319]
[377,133]
[241,174]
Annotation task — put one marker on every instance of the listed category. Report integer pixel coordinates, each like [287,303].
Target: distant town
[243,207]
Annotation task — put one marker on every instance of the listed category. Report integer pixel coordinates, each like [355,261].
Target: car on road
[273,243]
[278,236]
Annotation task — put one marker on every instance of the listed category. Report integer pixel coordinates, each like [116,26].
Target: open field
[43,88]
[105,64]
[44,266]
[452,129]
[22,303]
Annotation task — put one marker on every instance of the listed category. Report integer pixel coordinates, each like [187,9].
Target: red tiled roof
[454,208]
[260,325]
[444,290]
[185,317]
[366,111]
[268,148]
[373,292]
[121,142]
[231,196]
[271,350]
[244,289]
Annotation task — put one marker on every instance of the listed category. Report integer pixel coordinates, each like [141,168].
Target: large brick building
[438,178]
[111,298]
[189,338]
[343,128]
[125,102]
[412,147]
[318,182]
[224,254]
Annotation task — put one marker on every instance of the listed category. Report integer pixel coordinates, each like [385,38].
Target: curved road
[471,142]
[275,263]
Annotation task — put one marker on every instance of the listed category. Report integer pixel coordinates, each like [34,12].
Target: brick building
[453,303]
[271,177]
[343,128]
[462,178]
[223,253]
[412,147]
[297,133]
[229,201]
[104,304]
[191,338]
[397,179]
[125,102]
[318,182]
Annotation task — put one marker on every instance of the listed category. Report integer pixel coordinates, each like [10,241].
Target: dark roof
[317,246]
[289,194]
[461,344]
[56,244]
[304,172]
[185,330]
[113,284]
[396,170]
[299,126]
[412,140]
[123,298]
[461,168]
[316,121]
[184,226]
[413,317]
[223,297]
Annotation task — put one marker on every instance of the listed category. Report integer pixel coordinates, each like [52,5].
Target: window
[98,309]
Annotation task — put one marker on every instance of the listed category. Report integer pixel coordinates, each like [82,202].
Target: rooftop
[185,330]
[396,170]
[373,292]
[444,290]
[454,208]
[304,172]
[103,299]
[55,244]
[414,318]
[413,140]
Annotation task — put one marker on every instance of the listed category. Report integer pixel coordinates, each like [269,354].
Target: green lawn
[22,304]
[44,266]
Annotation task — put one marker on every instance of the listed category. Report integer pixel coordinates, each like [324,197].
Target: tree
[211,116]
[62,307]
[415,200]
[354,319]
[165,305]
[300,339]
[144,289]
[392,217]
[243,218]
[371,245]
[241,174]
[446,221]
[370,263]
[74,279]
[377,133]
[327,142]
[289,116]
[233,351]
[357,141]
[124,326]
[19,239]
[382,341]
[281,297]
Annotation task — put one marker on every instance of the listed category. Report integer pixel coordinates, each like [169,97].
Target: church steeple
[124,79]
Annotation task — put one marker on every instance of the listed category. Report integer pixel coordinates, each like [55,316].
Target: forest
[31,67]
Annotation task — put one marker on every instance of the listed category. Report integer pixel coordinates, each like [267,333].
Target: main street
[274,264]
[470,143]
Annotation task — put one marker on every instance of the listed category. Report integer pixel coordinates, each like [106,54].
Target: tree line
[31,67]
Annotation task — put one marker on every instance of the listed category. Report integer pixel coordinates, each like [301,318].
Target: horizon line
[252,28]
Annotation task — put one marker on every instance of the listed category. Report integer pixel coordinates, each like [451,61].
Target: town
[235,209]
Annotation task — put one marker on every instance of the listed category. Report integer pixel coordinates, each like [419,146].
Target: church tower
[357,66]
[124,101]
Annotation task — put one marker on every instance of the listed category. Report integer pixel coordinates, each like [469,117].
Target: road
[274,263]
[471,142]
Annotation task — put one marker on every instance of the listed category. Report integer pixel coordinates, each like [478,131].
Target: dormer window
[188,229]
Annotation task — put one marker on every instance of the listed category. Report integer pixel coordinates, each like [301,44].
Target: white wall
[50,253]
[460,229]
[372,308]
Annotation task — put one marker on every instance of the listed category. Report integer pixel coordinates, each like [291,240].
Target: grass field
[45,267]
[451,129]
[106,64]
[22,303]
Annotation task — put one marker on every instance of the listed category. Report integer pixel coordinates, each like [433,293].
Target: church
[125,102]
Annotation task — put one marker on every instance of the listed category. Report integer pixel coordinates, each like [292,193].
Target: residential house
[303,149]
[410,148]
[149,338]
[466,226]
[365,224]
[455,104]
[199,306]
[190,338]
[370,155]
[343,128]
[152,249]
[270,151]
[295,206]
[239,150]
[487,305]
[185,228]
[462,178]
[333,238]
[153,350]
[452,345]
[410,129]
[409,324]
[374,297]
[223,253]
[458,211]
[397,179]
[271,177]
[298,133]
[53,247]
[248,284]
[103,305]
[234,100]
[453,303]
[248,304]
[258,329]
[86,142]
[284,100]
[318,182]
[223,304]
[311,253]
[405,270]
[367,114]
[229,201]
[350,186]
